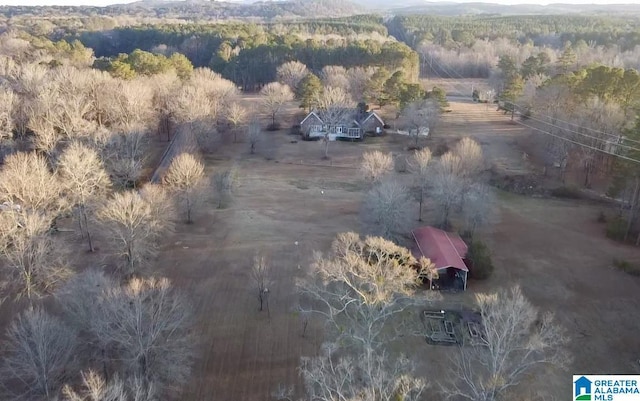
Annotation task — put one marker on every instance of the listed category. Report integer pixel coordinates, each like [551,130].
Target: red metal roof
[442,248]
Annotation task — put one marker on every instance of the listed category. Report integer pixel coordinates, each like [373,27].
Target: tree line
[249,54]
[75,148]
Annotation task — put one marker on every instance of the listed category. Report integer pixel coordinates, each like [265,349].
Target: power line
[618,137]
[445,70]
[606,141]
[562,137]
[578,143]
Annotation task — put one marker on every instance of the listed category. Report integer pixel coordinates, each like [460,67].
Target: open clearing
[553,248]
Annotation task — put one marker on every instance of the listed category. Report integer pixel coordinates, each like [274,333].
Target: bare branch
[148,326]
[255,135]
[39,356]
[85,179]
[274,97]
[225,183]
[385,210]
[33,258]
[376,165]
[130,224]
[291,73]
[262,279]
[515,340]
[185,178]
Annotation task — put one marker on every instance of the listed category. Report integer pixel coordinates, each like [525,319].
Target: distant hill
[262,9]
[450,8]
[203,9]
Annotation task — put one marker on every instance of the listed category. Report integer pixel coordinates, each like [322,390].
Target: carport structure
[447,252]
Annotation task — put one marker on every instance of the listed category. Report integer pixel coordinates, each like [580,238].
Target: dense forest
[249,54]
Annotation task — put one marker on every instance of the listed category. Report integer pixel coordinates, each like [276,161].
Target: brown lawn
[554,249]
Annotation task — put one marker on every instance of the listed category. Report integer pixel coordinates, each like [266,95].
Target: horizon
[104,3]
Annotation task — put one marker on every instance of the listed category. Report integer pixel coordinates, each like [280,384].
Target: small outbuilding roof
[444,249]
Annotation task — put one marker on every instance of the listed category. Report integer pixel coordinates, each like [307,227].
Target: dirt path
[180,143]
[491,128]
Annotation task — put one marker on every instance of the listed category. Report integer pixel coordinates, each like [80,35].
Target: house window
[338,130]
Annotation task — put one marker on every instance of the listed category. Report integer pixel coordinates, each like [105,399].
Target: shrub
[441,149]
[602,217]
[616,228]
[295,130]
[479,258]
[566,192]
[273,127]
[627,267]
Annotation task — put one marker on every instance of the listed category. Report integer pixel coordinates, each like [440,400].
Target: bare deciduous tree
[45,137]
[165,86]
[420,164]
[219,91]
[185,178]
[162,205]
[236,116]
[376,165]
[262,280]
[447,186]
[291,73]
[132,109]
[365,285]
[334,108]
[334,76]
[33,258]
[193,107]
[225,183]
[124,155]
[39,356]
[83,174]
[27,181]
[515,340]
[254,135]
[421,117]
[478,206]
[359,78]
[330,378]
[147,324]
[96,388]
[130,224]
[274,96]
[385,210]
[471,157]
[8,101]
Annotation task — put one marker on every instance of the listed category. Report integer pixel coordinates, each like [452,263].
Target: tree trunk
[105,371]
[633,211]
[326,147]
[420,202]
[86,227]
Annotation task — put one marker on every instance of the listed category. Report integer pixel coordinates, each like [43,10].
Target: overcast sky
[107,2]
